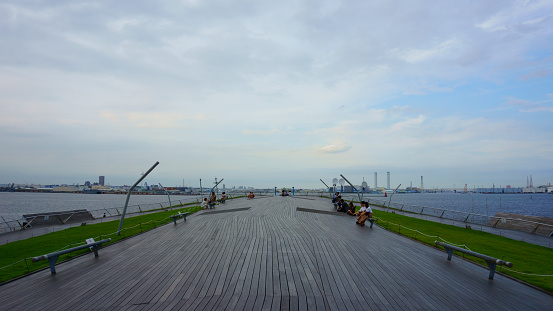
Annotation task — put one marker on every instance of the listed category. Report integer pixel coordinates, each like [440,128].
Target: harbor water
[15,204]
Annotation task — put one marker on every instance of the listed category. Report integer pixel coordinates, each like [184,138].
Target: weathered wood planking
[265,254]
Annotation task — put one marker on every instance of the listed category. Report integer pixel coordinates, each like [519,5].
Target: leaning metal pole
[390,200]
[358,195]
[327,187]
[170,205]
[129,195]
[216,185]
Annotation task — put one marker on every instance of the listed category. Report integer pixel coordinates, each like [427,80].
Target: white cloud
[314,84]
[333,148]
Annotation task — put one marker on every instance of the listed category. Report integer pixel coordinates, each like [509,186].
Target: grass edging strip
[497,246]
[22,251]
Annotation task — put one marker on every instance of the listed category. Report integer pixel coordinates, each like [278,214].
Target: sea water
[13,205]
[483,204]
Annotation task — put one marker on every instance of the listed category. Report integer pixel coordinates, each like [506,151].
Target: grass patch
[526,257]
[17,255]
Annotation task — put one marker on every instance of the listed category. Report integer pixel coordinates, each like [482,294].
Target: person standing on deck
[212,200]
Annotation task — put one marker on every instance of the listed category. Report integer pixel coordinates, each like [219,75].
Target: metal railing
[8,225]
[518,224]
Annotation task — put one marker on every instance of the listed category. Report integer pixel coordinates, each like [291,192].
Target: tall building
[101,180]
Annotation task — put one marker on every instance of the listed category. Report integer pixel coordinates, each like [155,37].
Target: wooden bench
[53,257]
[179,215]
[492,262]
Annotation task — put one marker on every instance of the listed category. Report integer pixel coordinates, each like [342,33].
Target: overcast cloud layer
[277,93]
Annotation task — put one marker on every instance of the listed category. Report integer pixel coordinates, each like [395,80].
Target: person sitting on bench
[223,198]
[204,203]
[364,213]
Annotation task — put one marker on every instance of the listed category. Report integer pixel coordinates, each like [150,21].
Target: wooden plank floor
[269,257]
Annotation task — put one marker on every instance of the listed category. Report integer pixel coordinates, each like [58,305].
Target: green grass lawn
[526,257]
[17,255]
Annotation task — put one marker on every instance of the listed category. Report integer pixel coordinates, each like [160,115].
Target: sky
[277,93]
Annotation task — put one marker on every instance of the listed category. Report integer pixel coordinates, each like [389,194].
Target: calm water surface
[13,205]
[525,204]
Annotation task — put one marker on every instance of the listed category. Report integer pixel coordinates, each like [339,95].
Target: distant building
[500,190]
[65,189]
[101,180]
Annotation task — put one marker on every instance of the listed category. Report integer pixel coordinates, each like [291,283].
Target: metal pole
[170,205]
[292,191]
[216,185]
[129,196]
[275,191]
[390,200]
[325,185]
[358,195]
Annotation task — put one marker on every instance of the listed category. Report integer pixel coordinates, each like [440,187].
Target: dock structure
[265,254]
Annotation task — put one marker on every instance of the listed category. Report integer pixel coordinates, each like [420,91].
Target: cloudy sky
[277,93]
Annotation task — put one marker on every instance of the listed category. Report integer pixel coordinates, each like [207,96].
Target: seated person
[334,197]
[364,213]
[251,195]
[351,209]
[212,200]
[337,202]
[223,198]
[343,206]
[204,203]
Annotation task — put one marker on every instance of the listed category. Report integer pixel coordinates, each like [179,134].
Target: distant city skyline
[280,93]
[314,185]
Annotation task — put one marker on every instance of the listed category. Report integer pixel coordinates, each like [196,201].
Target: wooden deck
[265,254]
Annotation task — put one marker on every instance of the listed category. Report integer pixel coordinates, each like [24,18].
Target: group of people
[251,195]
[364,213]
[208,204]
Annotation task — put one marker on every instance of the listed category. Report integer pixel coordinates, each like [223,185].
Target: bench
[371,220]
[53,257]
[179,215]
[492,262]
